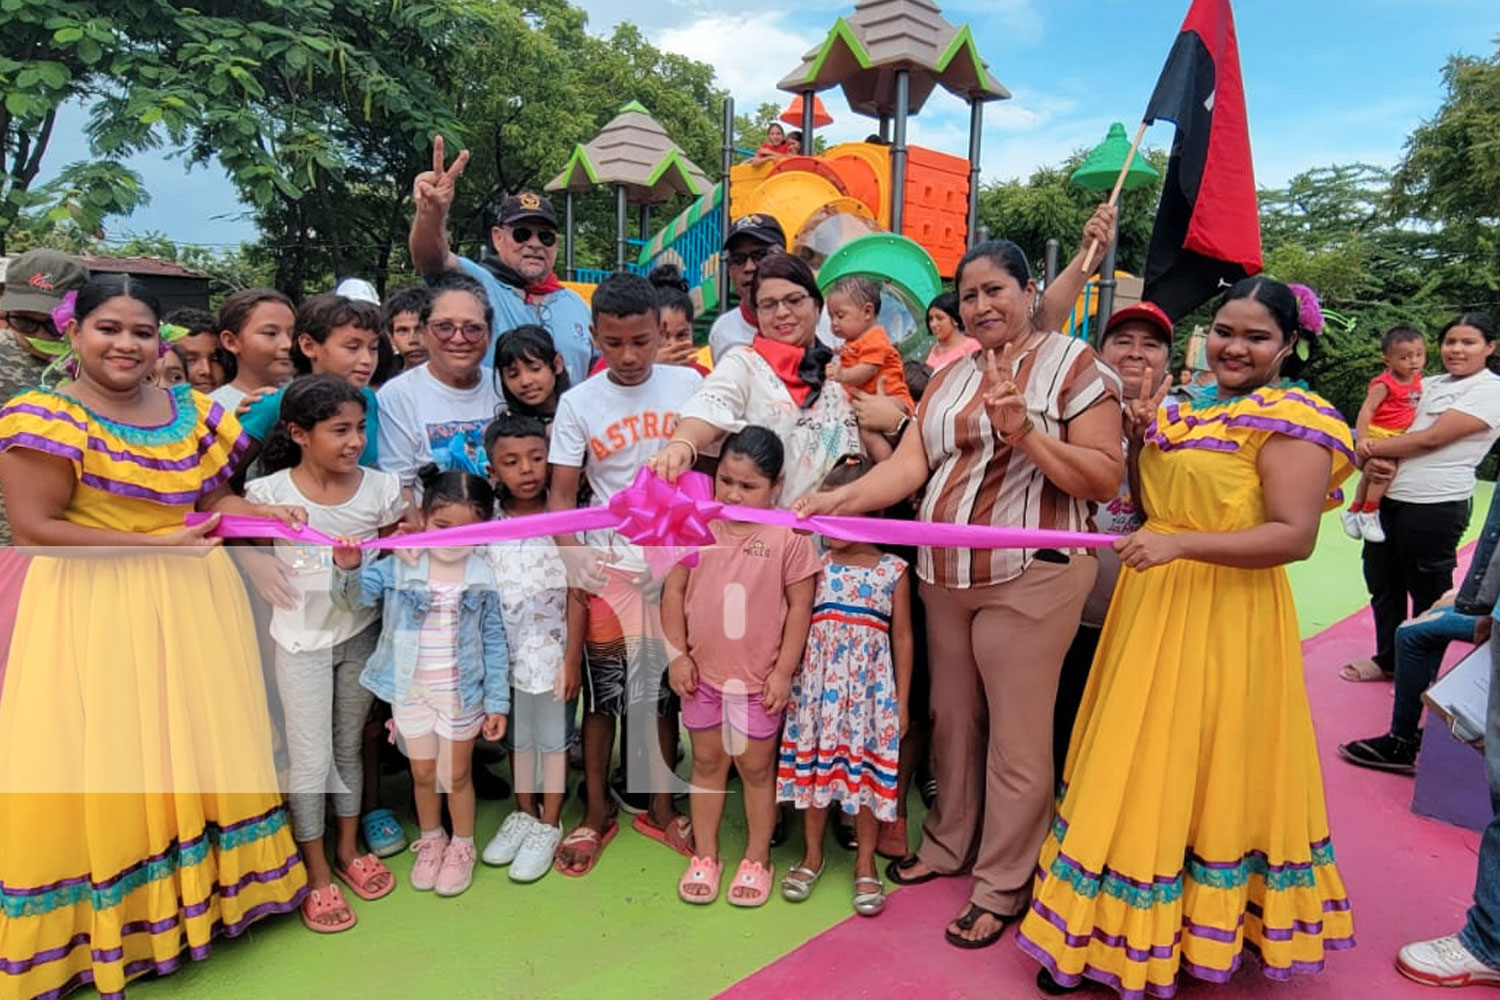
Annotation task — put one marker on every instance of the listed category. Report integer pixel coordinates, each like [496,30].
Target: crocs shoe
[458,868]
[536,853]
[429,852]
[502,848]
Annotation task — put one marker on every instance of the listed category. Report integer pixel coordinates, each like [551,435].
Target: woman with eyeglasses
[1026,432]
[432,412]
[776,382]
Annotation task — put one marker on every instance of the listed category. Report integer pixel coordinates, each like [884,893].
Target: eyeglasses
[741,259]
[446,331]
[793,302]
[523,234]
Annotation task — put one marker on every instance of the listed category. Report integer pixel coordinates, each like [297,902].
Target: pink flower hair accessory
[1309,310]
[62,313]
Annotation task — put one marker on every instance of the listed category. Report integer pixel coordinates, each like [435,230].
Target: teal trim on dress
[1162,891]
[194,852]
[184,419]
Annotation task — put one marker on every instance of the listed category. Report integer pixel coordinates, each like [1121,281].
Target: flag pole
[1114,196]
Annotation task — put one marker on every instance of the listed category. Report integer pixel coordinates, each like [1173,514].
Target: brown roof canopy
[635,151]
[862,53]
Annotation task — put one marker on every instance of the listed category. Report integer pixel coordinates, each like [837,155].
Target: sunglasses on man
[523,234]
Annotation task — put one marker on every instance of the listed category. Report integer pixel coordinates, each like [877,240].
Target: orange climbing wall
[937,205]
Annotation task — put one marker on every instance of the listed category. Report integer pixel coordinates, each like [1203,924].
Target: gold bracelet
[1014,439]
[692,449]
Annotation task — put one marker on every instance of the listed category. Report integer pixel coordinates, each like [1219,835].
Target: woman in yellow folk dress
[1192,825]
[139,810]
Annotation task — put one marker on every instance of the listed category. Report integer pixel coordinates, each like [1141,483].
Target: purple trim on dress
[1116,941]
[1209,974]
[175,846]
[33,410]
[137,492]
[17,967]
[275,874]
[197,952]
[1276,426]
[99,447]
[1219,934]
[36,442]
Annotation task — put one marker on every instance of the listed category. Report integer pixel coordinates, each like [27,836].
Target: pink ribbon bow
[665,519]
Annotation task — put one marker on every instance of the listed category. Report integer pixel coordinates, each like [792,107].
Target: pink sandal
[700,872]
[752,884]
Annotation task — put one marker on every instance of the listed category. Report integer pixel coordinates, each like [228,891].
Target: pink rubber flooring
[1408,878]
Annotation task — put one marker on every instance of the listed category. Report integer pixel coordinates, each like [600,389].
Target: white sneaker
[502,848]
[1370,528]
[1444,962]
[1351,522]
[535,857]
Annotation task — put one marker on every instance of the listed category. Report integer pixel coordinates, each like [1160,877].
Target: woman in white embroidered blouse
[776,382]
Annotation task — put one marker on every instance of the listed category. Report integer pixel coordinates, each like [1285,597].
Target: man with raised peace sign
[516,271]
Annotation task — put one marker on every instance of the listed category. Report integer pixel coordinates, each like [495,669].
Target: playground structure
[900,213]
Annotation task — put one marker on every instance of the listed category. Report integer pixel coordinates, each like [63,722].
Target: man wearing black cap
[35,284]
[516,272]
[751,239]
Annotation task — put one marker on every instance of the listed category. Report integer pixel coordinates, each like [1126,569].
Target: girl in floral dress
[848,705]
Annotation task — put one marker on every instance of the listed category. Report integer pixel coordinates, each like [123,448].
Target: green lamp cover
[1102,166]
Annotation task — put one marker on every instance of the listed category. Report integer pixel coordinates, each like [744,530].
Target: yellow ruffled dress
[139,808]
[1192,824]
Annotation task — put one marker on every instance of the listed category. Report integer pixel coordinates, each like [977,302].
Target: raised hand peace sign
[1002,396]
[433,189]
[1140,412]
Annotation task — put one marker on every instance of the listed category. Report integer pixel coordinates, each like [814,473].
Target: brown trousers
[996,653]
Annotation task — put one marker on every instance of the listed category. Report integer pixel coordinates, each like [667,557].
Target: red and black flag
[1208,224]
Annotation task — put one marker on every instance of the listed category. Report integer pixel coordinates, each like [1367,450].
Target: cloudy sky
[1327,81]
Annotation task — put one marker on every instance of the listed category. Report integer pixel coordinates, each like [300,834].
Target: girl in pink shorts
[734,675]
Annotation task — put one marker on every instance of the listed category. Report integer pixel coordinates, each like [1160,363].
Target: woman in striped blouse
[1025,433]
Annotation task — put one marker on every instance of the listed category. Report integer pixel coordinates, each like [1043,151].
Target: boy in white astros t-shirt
[605,430]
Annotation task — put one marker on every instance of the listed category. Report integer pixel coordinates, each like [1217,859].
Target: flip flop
[585,837]
[896,869]
[321,902]
[1363,671]
[969,919]
[678,834]
[700,871]
[361,872]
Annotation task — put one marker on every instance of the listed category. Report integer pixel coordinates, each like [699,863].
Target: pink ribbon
[672,522]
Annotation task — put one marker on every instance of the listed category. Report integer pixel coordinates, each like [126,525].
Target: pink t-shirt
[941,357]
[736,601]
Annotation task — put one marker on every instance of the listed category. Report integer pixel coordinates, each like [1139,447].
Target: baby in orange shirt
[868,362]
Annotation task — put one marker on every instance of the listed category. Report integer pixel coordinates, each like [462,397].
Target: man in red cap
[1137,346]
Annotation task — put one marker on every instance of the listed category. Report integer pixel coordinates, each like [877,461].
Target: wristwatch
[901,428]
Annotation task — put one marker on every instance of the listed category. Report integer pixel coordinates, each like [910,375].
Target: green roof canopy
[633,150]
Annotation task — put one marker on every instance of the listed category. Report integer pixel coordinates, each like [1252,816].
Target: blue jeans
[1481,933]
[1420,645]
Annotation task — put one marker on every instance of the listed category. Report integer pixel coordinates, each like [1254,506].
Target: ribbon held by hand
[671,522]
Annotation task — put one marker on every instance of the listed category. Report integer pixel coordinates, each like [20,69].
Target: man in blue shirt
[516,271]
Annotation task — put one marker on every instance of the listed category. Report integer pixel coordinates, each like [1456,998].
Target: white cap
[358,289]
